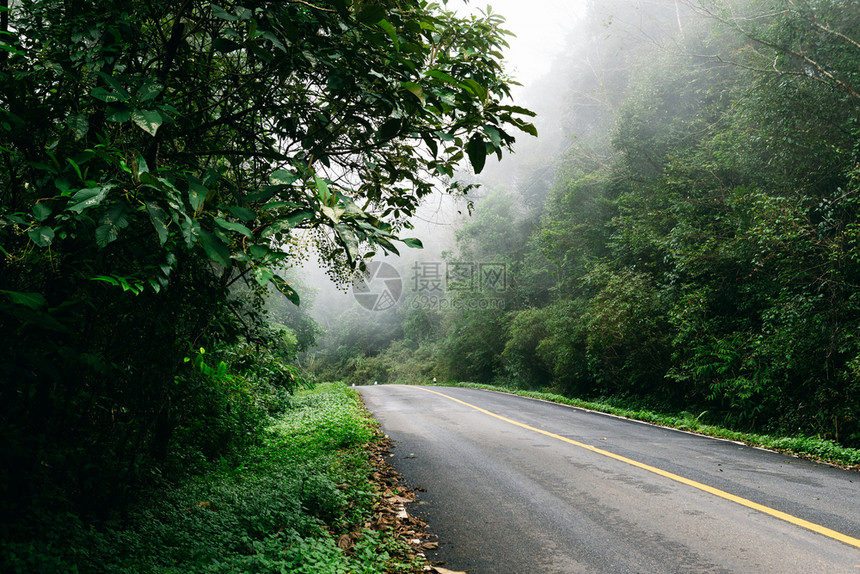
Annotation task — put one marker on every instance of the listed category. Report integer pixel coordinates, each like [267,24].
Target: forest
[163,165]
[683,233]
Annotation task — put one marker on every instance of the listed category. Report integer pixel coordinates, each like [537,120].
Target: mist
[558,55]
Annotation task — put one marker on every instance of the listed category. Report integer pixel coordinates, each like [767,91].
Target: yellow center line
[703,487]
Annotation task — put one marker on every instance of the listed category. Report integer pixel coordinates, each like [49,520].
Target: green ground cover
[281,509]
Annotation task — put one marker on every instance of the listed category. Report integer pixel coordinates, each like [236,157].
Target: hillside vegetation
[693,243]
[162,165]
[286,506]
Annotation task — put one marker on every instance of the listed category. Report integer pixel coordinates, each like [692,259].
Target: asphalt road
[520,486]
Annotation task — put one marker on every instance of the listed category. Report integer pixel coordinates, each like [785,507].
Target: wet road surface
[516,485]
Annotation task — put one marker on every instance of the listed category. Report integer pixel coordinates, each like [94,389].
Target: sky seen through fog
[541,28]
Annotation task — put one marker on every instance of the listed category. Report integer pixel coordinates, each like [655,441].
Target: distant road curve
[521,486]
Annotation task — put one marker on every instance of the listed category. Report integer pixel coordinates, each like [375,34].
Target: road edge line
[817,528]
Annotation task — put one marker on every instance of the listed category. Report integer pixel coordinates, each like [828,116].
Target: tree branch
[735,22]
[309,5]
[176,35]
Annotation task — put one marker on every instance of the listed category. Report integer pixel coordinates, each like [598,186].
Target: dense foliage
[161,162]
[699,243]
[282,510]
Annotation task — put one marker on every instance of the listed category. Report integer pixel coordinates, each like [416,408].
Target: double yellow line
[703,487]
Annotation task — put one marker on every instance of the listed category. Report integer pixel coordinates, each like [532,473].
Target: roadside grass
[283,509]
[814,448]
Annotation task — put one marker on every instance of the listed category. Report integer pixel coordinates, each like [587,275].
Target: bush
[280,509]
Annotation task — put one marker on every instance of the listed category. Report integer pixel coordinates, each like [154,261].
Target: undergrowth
[809,447]
[281,509]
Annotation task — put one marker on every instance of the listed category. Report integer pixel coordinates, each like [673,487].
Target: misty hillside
[684,231]
[217,217]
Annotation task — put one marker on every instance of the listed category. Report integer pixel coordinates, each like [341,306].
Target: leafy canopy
[238,130]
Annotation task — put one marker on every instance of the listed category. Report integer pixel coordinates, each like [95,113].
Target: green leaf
[322,190]
[279,204]
[118,113]
[37,318]
[413,242]
[333,213]
[134,285]
[149,91]
[142,166]
[262,194]
[116,216]
[391,31]
[215,248]
[371,14]
[9,48]
[281,177]
[108,96]
[495,136]
[294,219]
[147,120]
[76,167]
[527,128]
[242,213]
[414,89]
[389,129]
[258,252]
[112,82]
[80,125]
[474,88]
[190,230]
[263,275]
[387,245]
[9,120]
[41,236]
[35,301]
[225,45]
[13,219]
[440,75]
[41,211]
[284,288]
[342,7]
[477,150]
[336,82]
[105,234]
[210,176]
[159,220]
[197,196]
[518,110]
[219,12]
[431,144]
[274,40]
[89,197]
[232,226]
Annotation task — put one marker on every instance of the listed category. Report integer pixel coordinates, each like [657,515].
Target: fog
[541,31]
[553,41]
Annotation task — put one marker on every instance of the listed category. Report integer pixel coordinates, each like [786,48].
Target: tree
[155,154]
[225,129]
[810,41]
